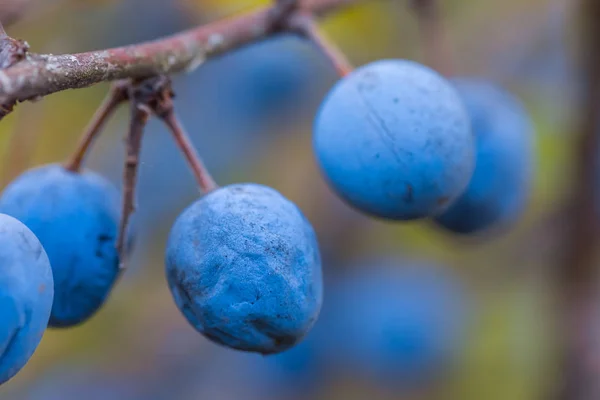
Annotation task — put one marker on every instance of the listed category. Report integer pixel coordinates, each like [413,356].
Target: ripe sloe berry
[244,268]
[76,218]
[500,186]
[394,140]
[26,293]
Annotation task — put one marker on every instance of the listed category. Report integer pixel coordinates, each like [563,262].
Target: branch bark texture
[43,74]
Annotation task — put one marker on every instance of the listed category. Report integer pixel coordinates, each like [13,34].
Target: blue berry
[26,293]
[76,218]
[500,187]
[395,323]
[244,268]
[394,140]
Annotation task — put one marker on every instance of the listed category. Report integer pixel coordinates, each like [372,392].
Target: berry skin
[500,186]
[394,140]
[26,293]
[244,268]
[395,323]
[76,218]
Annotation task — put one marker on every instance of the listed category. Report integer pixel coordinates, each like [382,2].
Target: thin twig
[305,24]
[116,96]
[432,35]
[203,177]
[139,117]
[40,75]
[578,271]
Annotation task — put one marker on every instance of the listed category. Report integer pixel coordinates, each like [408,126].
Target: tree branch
[44,74]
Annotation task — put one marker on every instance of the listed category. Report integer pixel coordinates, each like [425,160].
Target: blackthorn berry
[500,186]
[394,140]
[244,268]
[26,293]
[76,218]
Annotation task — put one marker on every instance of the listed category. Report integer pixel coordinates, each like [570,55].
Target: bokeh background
[486,301]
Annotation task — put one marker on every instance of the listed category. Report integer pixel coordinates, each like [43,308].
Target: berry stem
[203,177]
[432,35]
[140,114]
[116,96]
[304,23]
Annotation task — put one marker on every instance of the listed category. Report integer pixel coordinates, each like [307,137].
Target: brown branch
[140,114]
[305,24]
[578,272]
[116,96]
[41,75]
[435,49]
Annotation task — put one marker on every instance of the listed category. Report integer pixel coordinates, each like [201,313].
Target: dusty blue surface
[394,140]
[26,293]
[76,218]
[244,267]
[502,182]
